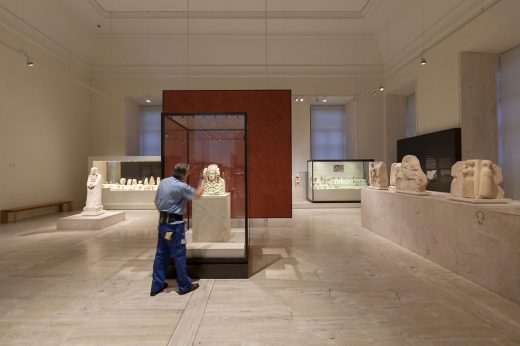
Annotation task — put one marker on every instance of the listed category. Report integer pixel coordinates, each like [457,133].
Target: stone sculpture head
[211,173]
[93,171]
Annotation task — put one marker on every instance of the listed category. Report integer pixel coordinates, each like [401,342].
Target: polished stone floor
[319,279]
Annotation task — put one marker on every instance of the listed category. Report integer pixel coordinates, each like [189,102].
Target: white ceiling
[357,39]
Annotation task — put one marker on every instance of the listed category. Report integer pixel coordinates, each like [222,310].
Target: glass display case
[336,180]
[129,182]
[214,145]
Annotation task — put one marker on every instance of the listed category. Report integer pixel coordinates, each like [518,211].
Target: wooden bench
[4,214]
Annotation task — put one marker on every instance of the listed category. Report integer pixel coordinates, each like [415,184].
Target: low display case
[129,182]
[336,180]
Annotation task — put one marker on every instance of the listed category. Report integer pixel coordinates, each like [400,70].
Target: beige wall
[133,127]
[370,126]
[395,125]
[44,129]
[437,96]
[351,113]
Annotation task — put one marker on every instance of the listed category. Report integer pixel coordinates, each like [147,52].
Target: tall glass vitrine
[215,147]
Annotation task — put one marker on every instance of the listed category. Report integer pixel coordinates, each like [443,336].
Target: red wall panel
[268,140]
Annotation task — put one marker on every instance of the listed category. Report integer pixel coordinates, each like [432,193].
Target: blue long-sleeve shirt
[172,196]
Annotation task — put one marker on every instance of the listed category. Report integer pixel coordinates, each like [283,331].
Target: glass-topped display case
[214,145]
[336,180]
[129,182]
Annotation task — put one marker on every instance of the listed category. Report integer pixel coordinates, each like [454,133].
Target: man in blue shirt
[171,200]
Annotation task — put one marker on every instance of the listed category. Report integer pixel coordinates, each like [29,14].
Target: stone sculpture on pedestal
[393,173]
[152,180]
[410,176]
[214,185]
[476,179]
[94,205]
[122,181]
[378,175]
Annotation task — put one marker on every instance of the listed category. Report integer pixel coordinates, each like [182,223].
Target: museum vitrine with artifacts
[336,180]
[129,182]
[214,145]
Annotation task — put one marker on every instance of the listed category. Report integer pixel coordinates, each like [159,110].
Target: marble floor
[319,279]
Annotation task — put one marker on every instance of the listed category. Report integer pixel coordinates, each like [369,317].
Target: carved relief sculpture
[476,179]
[393,172]
[378,175]
[93,206]
[410,176]
[214,185]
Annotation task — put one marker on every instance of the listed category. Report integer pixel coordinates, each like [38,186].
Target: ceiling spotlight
[296,99]
[374,92]
[381,88]
[148,100]
[301,99]
[324,99]
[423,61]
[28,60]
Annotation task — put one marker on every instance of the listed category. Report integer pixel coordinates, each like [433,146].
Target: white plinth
[415,193]
[211,218]
[377,188]
[481,201]
[233,248]
[477,241]
[82,222]
[93,211]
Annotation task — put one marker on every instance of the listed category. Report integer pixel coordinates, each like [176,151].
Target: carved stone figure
[393,172]
[378,175]
[122,181]
[146,181]
[476,179]
[129,182]
[94,205]
[158,181]
[410,176]
[458,179]
[152,180]
[134,181]
[214,185]
[468,182]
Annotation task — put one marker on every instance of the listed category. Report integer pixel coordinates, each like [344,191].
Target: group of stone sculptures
[472,179]
[477,179]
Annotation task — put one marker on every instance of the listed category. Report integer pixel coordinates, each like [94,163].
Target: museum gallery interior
[358,163]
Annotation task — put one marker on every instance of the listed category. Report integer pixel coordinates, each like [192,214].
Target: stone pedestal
[479,242]
[82,222]
[211,218]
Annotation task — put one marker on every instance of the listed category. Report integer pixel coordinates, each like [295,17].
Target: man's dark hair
[180,170]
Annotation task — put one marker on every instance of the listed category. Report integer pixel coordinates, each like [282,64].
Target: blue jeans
[175,248]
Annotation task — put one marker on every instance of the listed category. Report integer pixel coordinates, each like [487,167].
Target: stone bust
[214,185]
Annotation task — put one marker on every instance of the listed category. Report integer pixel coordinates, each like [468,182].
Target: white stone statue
[134,181]
[152,180]
[94,205]
[158,181]
[378,175]
[146,181]
[393,172]
[214,185]
[129,182]
[410,176]
[476,179]
[122,181]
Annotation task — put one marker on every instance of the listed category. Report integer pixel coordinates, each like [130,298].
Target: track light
[148,100]
[423,61]
[374,92]
[324,99]
[28,60]
[381,88]
[298,99]
[301,99]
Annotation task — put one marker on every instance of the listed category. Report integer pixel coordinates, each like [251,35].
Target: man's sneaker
[193,287]
[159,291]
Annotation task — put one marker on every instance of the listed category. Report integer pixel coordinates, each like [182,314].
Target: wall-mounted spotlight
[324,99]
[148,101]
[381,88]
[374,92]
[298,99]
[301,99]
[423,60]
